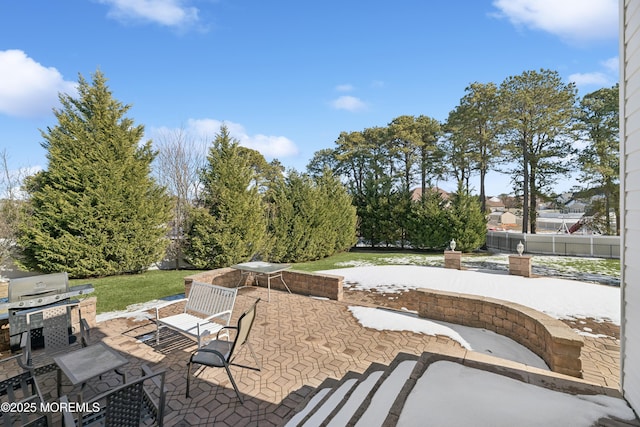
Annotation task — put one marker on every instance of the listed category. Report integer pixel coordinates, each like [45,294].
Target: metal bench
[205,303]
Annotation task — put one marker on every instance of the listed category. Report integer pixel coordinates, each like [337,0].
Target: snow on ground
[135,311]
[476,339]
[138,311]
[451,395]
[559,298]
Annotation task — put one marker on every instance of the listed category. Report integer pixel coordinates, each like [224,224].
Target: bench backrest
[209,299]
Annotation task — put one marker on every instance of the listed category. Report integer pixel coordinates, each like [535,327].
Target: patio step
[376,405]
[350,404]
[354,400]
[378,396]
[311,402]
[334,402]
[324,408]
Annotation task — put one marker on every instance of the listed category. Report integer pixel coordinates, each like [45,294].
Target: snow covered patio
[307,343]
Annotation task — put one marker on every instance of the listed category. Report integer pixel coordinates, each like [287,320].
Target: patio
[301,341]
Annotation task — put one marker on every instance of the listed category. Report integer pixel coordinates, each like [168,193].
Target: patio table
[262,268]
[89,362]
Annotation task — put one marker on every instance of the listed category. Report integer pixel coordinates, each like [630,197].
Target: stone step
[324,408]
[335,406]
[343,413]
[375,407]
[310,403]
[419,369]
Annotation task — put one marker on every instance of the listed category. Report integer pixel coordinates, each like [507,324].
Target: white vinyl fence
[555,244]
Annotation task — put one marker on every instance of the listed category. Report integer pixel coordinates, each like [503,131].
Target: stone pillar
[452,259]
[4,287]
[520,265]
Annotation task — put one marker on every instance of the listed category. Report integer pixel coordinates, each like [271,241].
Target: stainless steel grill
[37,292]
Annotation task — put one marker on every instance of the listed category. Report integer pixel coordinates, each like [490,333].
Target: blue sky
[287,76]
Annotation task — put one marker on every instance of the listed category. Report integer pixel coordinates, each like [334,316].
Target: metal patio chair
[20,393]
[57,335]
[221,353]
[138,402]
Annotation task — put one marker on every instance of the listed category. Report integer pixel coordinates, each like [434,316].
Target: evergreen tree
[95,211]
[429,225]
[339,226]
[598,122]
[537,110]
[232,226]
[468,223]
[473,127]
[376,210]
[311,219]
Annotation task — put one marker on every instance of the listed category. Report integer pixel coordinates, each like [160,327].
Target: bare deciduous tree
[178,164]
[10,205]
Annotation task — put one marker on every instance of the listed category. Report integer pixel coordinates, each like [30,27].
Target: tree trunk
[525,187]
[483,197]
[607,204]
[533,197]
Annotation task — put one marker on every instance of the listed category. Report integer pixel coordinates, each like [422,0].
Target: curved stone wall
[555,342]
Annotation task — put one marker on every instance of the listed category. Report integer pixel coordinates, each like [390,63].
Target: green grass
[604,266]
[118,292]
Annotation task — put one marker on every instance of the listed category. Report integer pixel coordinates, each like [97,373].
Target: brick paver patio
[301,342]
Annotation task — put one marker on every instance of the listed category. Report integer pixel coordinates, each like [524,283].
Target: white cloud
[612,65]
[349,103]
[572,20]
[607,77]
[170,13]
[588,79]
[344,88]
[27,88]
[270,146]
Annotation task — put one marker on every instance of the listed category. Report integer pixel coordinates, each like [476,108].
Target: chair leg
[233,383]
[254,356]
[188,378]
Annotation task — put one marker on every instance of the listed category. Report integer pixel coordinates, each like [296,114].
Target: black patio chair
[135,403]
[57,335]
[221,353]
[20,396]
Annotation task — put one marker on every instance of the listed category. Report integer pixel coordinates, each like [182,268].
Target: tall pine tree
[95,211]
[468,225]
[232,226]
[310,218]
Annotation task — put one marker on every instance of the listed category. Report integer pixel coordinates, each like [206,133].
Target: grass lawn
[118,292]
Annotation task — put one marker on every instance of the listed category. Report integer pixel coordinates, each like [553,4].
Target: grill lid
[25,288]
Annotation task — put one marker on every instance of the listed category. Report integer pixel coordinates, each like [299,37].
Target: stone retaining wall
[319,285]
[87,307]
[555,342]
